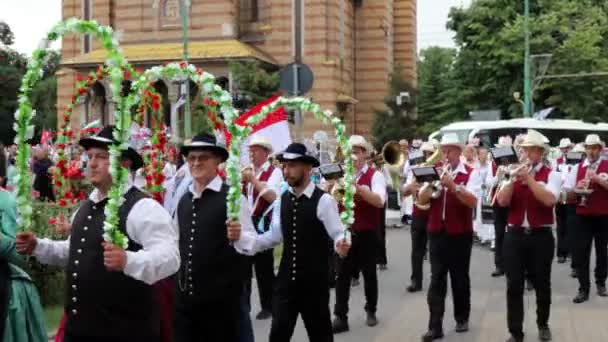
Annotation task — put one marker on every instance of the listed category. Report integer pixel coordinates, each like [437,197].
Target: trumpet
[507,177]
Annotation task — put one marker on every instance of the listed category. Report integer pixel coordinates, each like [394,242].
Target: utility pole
[527,73]
[298,115]
[183,6]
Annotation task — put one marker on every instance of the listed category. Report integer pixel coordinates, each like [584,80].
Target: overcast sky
[31,19]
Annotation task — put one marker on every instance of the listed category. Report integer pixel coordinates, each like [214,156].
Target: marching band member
[109,292]
[450,229]
[418,228]
[406,202]
[529,242]
[561,213]
[369,203]
[571,205]
[262,186]
[305,220]
[592,217]
[211,280]
[500,213]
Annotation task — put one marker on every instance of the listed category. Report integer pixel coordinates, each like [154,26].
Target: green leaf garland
[115,63]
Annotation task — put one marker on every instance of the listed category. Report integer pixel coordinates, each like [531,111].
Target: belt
[528,230]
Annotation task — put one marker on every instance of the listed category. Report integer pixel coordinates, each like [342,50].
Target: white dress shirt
[251,242]
[378,183]
[273,183]
[216,186]
[149,225]
[553,185]
[570,181]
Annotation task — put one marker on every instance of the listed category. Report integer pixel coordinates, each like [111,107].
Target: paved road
[403,317]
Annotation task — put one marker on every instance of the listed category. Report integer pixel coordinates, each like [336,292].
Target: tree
[394,122]
[254,81]
[44,94]
[6,34]
[434,72]
[490,40]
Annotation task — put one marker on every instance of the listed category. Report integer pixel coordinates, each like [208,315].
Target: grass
[52,317]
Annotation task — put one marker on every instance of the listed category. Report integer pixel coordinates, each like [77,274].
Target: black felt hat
[298,152]
[205,142]
[104,138]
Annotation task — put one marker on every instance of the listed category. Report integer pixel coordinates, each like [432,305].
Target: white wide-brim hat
[427,146]
[258,140]
[565,143]
[451,139]
[535,139]
[358,141]
[594,139]
[579,148]
[504,141]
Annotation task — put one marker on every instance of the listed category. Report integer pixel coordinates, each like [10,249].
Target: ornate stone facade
[351,45]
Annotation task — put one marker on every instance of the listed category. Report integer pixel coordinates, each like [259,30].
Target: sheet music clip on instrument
[425,174]
[504,156]
[331,171]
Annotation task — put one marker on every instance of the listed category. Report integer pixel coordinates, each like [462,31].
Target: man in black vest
[212,277]
[109,297]
[305,221]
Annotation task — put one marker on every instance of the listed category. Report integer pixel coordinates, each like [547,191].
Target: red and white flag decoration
[274,127]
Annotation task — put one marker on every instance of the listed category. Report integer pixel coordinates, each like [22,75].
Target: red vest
[258,211]
[597,202]
[524,204]
[367,217]
[458,217]
[417,212]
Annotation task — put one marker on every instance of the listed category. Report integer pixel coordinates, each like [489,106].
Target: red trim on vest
[458,217]
[367,217]
[262,203]
[523,203]
[597,202]
[560,160]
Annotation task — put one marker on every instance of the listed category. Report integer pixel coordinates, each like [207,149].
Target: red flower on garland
[62,203]
[183,64]
[127,75]
[80,78]
[52,221]
[155,105]
[82,91]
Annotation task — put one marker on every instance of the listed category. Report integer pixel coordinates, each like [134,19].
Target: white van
[488,132]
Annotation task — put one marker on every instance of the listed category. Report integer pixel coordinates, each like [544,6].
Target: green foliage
[6,35]
[254,81]
[12,68]
[392,123]
[488,67]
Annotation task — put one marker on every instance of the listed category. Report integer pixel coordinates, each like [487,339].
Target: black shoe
[462,327]
[561,260]
[515,339]
[432,335]
[573,273]
[339,325]
[371,320]
[382,267]
[414,288]
[529,285]
[262,315]
[355,283]
[498,273]
[581,297]
[601,291]
[544,334]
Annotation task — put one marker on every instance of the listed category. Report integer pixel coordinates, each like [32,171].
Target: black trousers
[382,259]
[528,253]
[4,294]
[314,308]
[263,264]
[208,321]
[561,213]
[362,254]
[449,254]
[501,215]
[419,240]
[591,230]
